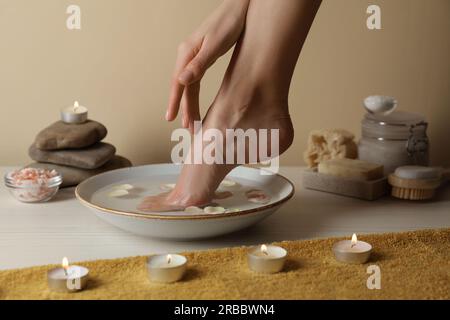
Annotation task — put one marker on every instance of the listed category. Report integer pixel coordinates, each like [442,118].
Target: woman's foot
[253,95]
[243,108]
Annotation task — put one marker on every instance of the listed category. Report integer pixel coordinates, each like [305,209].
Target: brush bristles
[412,194]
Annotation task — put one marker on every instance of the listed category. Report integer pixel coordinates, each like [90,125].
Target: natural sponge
[329,144]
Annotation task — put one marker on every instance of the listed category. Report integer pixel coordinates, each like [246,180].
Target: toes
[151,203]
[158,203]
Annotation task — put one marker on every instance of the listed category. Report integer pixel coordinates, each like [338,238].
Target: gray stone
[92,157]
[62,135]
[73,176]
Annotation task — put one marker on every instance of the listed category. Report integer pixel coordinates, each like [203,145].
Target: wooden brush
[416,183]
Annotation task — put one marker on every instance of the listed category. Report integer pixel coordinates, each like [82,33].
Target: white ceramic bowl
[380,104]
[122,213]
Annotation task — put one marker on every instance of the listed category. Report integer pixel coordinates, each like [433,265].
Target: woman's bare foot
[197,183]
[253,95]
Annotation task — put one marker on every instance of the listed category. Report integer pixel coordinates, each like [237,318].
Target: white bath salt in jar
[394,140]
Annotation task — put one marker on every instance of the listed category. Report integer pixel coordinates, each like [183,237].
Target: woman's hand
[214,38]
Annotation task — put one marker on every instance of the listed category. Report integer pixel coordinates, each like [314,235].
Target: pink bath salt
[32,176]
[257,196]
[32,184]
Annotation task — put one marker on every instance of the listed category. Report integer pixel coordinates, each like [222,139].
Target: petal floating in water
[123,187]
[193,210]
[228,183]
[167,186]
[257,196]
[214,210]
[118,193]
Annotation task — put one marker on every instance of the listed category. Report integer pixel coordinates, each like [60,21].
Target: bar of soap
[351,169]
[329,144]
[366,190]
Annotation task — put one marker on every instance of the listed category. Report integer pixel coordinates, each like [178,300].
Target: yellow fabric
[414,265]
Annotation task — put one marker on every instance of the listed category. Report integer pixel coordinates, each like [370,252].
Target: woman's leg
[254,92]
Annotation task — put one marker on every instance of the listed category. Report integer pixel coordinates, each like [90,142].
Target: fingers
[185,54]
[176,92]
[191,105]
[196,68]
[192,63]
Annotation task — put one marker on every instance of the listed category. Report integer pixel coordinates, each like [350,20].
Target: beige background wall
[119,66]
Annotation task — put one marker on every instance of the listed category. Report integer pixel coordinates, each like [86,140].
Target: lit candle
[352,251]
[74,114]
[166,268]
[266,259]
[67,278]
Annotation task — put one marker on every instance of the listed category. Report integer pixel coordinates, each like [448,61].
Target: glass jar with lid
[394,140]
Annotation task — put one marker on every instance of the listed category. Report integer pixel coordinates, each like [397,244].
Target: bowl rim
[56,181]
[190,216]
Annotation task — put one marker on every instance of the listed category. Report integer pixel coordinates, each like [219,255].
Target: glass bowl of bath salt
[32,185]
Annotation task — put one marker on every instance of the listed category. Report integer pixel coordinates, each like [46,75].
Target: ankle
[244,95]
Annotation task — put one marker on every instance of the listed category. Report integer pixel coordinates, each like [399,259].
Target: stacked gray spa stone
[75,151]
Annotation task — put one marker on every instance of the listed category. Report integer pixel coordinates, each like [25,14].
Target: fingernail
[167,115]
[186,76]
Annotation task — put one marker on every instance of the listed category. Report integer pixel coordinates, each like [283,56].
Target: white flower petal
[214,210]
[193,210]
[118,193]
[123,187]
[228,183]
[259,200]
[167,186]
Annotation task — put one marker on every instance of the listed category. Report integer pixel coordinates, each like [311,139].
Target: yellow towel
[414,265]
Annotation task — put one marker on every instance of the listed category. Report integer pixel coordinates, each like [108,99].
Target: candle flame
[169,259]
[76,105]
[354,240]
[264,249]
[65,263]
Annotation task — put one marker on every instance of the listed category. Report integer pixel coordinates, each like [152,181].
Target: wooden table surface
[36,234]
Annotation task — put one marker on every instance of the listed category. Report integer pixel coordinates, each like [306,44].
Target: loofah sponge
[329,144]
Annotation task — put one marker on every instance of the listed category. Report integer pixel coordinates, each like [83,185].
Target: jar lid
[396,118]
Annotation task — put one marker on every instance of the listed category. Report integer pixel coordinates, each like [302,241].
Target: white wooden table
[36,234]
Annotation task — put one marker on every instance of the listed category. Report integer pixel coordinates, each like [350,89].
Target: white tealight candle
[166,268]
[67,278]
[352,251]
[266,259]
[74,114]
